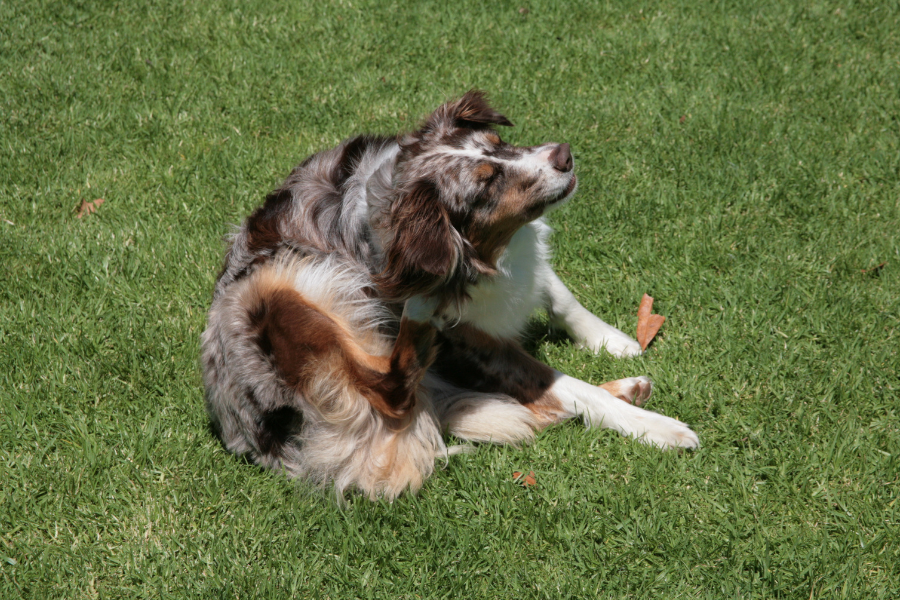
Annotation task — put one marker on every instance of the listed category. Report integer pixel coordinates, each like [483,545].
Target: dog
[375,301]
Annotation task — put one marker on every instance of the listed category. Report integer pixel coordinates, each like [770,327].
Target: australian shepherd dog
[375,302]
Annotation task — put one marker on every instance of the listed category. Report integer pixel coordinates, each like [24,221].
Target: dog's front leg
[586,329]
[599,408]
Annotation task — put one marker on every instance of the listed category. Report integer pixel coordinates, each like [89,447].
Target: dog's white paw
[663,432]
[615,342]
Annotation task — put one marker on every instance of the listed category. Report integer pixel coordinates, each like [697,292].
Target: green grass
[739,161]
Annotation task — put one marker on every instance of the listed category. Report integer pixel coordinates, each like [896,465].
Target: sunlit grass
[739,162]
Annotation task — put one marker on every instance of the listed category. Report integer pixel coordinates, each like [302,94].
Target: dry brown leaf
[524,481]
[874,270]
[648,324]
[87,208]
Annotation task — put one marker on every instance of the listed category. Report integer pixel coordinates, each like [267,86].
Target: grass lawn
[739,161]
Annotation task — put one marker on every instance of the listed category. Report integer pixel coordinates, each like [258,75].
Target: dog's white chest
[501,306]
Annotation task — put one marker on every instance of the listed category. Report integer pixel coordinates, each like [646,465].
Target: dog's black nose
[561,158]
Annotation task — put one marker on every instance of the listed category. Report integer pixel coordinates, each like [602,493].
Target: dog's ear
[473,108]
[472,111]
[423,250]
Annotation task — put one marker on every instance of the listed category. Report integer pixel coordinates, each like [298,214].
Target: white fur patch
[501,305]
[489,418]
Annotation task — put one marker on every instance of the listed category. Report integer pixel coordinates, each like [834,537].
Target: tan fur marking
[490,232]
[547,410]
[629,390]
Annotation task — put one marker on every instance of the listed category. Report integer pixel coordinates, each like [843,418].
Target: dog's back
[320,209]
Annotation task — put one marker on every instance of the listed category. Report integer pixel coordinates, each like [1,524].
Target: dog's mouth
[570,189]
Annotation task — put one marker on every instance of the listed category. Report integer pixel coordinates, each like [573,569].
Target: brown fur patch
[263,233]
[293,334]
[300,340]
[275,428]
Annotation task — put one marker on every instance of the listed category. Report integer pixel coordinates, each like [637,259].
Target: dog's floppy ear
[423,250]
[472,110]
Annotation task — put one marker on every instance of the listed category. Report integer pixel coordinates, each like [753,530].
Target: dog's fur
[375,300]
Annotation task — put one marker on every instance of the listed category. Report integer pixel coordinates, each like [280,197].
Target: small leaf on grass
[87,208]
[874,270]
[524,481]
[648,324]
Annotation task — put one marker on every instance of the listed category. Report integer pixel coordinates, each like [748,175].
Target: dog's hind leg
[472,359]
[481,417]
[390,445]
[391,383]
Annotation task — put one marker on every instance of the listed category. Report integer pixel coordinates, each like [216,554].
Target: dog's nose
[561,158]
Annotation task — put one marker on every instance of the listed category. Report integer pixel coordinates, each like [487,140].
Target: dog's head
[461,193]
